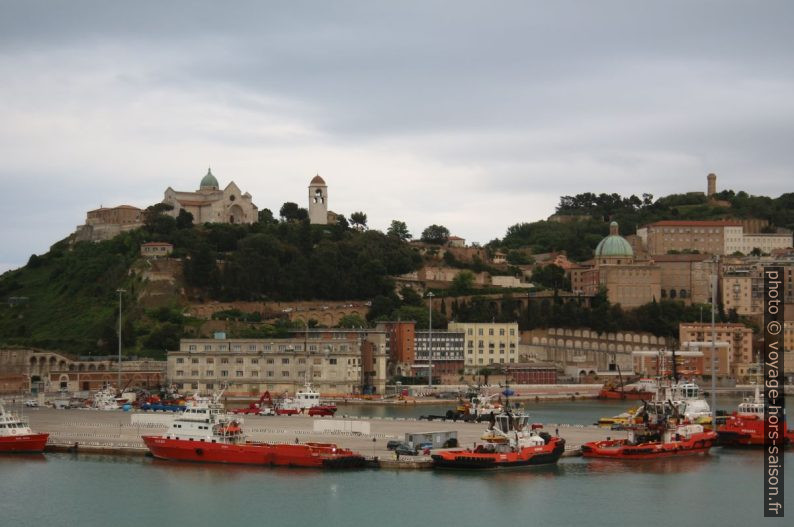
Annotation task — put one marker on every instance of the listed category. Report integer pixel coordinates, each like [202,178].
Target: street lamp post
[430,296]
[714,285]
[120,292]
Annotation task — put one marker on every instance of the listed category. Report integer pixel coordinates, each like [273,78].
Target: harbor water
[719,490]
[579,412]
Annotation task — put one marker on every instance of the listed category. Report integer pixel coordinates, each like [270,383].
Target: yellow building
[488,343]
[743,292]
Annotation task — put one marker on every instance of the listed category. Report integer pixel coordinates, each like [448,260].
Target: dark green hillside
[69,296]
[66,299]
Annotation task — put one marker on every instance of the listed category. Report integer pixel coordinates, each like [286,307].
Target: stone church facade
[210,204]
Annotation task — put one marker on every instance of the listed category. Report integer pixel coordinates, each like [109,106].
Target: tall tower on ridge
[318,201]
[712,185]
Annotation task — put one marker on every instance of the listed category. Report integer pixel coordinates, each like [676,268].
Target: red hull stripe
[300,455]
[697,444]
[24,443]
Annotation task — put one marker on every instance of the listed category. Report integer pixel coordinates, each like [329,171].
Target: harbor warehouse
[333,361]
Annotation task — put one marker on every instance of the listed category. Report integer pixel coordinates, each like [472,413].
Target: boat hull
[312,455]
[699,443]
[746,432]
[526,457]
[27,444]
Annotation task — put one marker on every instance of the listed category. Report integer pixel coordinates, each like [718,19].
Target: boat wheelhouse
[16,435]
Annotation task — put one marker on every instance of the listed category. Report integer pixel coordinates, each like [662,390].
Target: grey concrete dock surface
[109,431]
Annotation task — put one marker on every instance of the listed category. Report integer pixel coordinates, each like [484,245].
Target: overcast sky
[474,115]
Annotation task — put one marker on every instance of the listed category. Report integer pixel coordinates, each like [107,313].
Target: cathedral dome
[209,181]
[614,245]
[317,180]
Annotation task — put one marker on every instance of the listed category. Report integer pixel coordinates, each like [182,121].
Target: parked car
[425,446]
[394,443]
[404,449]
[32,403]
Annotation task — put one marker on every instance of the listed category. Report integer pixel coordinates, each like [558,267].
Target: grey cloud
[466,102]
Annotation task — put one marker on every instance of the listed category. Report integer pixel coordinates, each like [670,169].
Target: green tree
[153,211]
[410,297]
[200,268]
[383,306]
[551,276]
[184,219]
[164,338]
[399,230]
[291,212]
[515,257]
[463,282]
[359,220]
[266,216]
[436,234]
[342,222]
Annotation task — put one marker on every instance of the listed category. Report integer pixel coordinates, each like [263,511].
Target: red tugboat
[653,442]
[661,432]
[745,427]
[16,436]
[644,389]
[205,433]
[511,441]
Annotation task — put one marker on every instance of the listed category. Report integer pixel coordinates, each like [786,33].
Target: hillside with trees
[66,299]
[588,214]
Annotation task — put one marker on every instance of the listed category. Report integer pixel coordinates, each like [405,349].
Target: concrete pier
[118,432]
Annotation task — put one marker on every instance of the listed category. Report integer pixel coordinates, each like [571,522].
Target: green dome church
[614,249]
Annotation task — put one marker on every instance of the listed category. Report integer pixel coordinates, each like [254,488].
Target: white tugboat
[105,399]
[307,401]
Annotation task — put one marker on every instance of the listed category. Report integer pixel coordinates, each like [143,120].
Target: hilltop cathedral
[209,204]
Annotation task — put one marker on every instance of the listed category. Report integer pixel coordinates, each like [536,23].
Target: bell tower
[318,201]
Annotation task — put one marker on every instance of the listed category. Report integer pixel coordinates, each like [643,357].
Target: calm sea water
[719,490]
[722,489]
[581,412]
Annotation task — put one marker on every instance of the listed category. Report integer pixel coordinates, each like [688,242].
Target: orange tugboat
[654,441]
[662,430]
[511,441]
[16,435]
[745,427]
[508,444]
[205,433]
